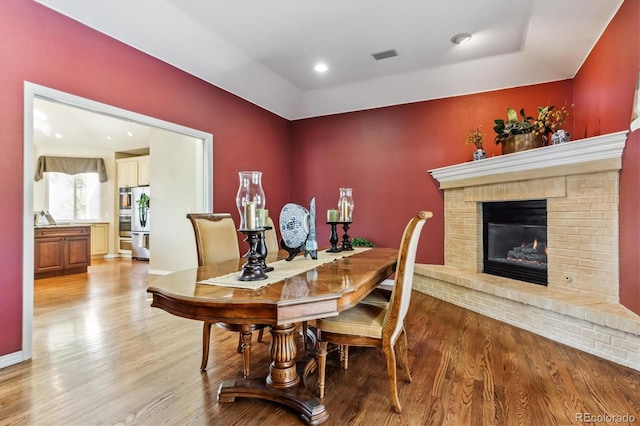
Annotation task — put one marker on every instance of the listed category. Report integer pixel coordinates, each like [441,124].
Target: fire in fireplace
[515,240]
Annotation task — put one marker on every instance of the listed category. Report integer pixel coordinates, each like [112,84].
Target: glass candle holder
[250,199]
[345,205]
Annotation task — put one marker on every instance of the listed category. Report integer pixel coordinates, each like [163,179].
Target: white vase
[479,154]
[560,136]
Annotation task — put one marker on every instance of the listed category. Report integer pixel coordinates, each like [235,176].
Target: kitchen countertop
[64,225]
[68,225]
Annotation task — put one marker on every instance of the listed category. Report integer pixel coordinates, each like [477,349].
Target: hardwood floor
[103,356]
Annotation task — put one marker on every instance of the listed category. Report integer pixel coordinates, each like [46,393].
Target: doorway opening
[203,152]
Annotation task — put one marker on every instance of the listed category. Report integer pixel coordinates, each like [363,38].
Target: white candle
[250,215]
[332,215]
[344,211]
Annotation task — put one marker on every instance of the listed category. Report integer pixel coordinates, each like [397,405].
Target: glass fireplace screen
[522,244]
[515,240]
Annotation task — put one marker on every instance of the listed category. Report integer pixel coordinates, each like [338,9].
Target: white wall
[176,189]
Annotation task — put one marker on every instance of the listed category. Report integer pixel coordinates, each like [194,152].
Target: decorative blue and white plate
[294,225]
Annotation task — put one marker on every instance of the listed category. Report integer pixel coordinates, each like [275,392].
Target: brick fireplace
[580,305]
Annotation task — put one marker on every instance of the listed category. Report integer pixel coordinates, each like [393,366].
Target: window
[73,197]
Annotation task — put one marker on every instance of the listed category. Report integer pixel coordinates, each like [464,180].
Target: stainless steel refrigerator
[140,213]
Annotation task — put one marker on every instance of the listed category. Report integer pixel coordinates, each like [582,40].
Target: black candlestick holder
[346,241]
[333,238]
[252,271]
[261,249]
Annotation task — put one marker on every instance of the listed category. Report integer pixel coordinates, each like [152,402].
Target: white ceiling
[59,124]
[264,50]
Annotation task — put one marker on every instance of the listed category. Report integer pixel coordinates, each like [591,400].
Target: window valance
[71,166]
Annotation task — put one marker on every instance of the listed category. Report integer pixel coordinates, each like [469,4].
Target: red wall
[605,84]
[384,155]
[604,89]
[630,224]
[46,48]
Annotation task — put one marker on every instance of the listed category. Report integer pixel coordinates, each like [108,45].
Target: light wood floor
[103,356]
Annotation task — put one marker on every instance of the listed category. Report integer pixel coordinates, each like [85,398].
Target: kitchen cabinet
[144,170]
[61,250]
[99,239]
[127,172]
[134,171]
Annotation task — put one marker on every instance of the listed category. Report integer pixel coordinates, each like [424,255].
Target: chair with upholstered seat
[271,238]
[376,325]
[217,241]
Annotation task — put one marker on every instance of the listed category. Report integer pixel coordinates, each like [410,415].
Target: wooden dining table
[320,292]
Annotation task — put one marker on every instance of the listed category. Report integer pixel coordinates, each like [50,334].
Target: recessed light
[321,67]
[58,136]
[129,133]
[109,137]
[461,38]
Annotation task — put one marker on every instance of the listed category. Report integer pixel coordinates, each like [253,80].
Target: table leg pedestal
[282,371]
[282,383]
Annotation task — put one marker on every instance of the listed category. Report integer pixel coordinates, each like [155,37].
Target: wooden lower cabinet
[61,250]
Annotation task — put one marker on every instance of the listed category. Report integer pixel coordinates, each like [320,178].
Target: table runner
[282,269]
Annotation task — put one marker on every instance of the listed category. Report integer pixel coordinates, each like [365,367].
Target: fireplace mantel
[580,305]
[590,155]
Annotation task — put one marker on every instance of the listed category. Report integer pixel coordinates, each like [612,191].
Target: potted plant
[476,138]
[529,132]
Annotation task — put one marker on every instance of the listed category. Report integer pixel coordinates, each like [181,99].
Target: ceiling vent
[384,55]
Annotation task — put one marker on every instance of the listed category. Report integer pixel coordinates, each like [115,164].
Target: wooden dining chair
[374,325]
[271,238]
[217,241]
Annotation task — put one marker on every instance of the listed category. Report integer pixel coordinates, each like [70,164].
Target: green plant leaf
[361,242]
[143,202]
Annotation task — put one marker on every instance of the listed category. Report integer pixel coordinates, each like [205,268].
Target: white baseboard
[11,359]
[159,272]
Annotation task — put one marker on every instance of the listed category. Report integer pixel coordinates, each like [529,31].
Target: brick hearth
[580,306]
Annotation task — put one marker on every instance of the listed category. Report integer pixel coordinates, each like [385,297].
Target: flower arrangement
[475,137]
[547,122]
